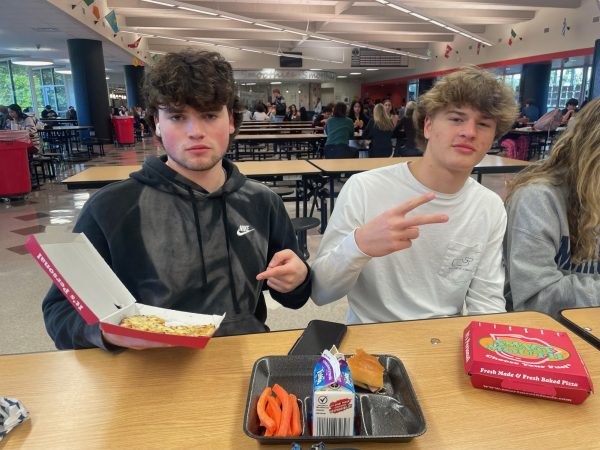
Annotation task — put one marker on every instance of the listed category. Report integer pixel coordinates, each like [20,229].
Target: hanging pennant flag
[447,52]
[513,33]
[111,18]
[89,2]
[96,12]
[564,27]
[478,47]
[135,44]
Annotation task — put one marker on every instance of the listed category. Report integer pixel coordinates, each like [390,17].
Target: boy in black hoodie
[189,231]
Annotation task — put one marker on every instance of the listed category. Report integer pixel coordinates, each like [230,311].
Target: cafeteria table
[278,141]
[189,398]
[334,168]
[297,170]
[585,322]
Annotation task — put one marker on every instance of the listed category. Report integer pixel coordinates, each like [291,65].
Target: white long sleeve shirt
[451,267]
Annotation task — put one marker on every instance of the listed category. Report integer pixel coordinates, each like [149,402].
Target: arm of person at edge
[531,247]
[287,275]
[349,243]
[485,294]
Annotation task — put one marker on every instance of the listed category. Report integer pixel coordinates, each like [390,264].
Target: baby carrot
[264,418]
[286,411]
[274,412]
[296,422]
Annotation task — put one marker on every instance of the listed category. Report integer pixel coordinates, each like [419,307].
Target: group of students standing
[409,241]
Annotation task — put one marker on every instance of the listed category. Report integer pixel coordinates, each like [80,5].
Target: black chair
[301,226]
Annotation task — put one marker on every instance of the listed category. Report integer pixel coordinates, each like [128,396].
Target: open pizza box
[525,360]
[82,275]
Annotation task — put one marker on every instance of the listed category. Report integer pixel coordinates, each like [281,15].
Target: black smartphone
[318,336]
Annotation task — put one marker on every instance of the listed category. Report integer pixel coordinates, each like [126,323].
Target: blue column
[535,79]
[89,85]
[134,76]
[595,82]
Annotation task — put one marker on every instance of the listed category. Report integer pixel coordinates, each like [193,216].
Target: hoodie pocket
[460,262]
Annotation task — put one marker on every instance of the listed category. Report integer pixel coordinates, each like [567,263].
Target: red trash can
[123,126]
[14,170]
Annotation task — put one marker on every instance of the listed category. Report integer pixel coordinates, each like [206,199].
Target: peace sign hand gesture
[393,230]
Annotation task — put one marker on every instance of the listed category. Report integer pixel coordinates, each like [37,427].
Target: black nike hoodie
[174,245]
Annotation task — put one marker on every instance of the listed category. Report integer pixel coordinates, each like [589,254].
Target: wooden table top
[271,130]
[587,320]
[187,398]
[363,164]
[110,174]
[71,128]
[267,123]
[279,167]
[279,137]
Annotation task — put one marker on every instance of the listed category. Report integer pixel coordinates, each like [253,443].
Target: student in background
[357,116]
[389,110]
[339,130]
[321,119]
[406,134]
[71,114]
[379,130]
[49,113]
[18,120]
[303,114]
[387,245]
[530,113]
[551,248]
[260,114]
[569,111]
[189,231]
[292,114]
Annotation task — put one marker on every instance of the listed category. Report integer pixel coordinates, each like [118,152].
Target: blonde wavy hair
[382,120]
[575,162]
[469,86]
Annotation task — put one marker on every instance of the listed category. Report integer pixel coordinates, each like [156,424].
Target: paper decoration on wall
[96,12]
[513,34]
[478,47]
[429,50]
[135,44]
[111,18]
[137,62]
[565,27]
[88,2]
[447,52]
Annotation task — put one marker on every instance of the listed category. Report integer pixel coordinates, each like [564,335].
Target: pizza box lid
[95,291]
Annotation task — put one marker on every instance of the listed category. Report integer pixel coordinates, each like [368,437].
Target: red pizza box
[528,361]
[82,275]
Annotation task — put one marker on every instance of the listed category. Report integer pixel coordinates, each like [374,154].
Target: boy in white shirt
[375,249]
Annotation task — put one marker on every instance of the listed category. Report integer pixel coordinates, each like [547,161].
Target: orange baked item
[366,370]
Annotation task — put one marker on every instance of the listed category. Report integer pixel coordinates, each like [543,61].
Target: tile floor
[23,284]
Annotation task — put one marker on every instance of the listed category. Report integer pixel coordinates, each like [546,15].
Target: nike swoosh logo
[241,233]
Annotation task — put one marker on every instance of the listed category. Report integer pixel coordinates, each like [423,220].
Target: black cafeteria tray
[392,416]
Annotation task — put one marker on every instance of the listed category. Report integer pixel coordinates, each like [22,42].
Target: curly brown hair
[469,86]
[197,78]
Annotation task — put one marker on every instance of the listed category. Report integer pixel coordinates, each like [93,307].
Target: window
[51,90]
[413,90]
[566,83]
[514,82]
[6,94]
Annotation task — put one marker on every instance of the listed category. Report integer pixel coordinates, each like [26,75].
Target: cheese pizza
[155,324]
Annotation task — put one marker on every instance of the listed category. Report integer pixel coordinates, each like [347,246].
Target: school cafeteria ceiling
[324,30]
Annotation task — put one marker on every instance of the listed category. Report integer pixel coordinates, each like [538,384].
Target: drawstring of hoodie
[236,304]
[198,234]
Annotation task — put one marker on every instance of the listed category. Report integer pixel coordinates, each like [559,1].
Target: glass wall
[49,88]
[413,90]
[566,83]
